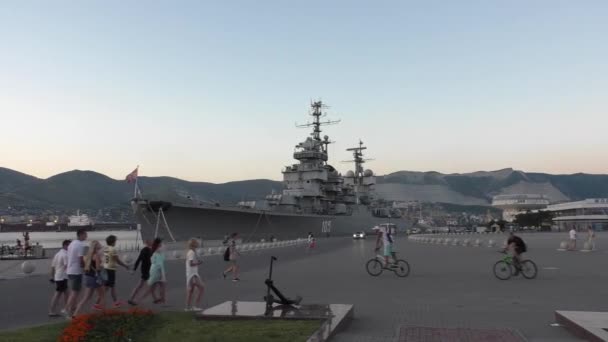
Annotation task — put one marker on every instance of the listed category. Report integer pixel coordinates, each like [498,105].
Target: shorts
[388,250]
[61,285]
[145,275]
[111,278]
[91,282]
[75,282]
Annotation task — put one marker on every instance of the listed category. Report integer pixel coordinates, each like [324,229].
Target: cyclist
[385,234]
[518,247]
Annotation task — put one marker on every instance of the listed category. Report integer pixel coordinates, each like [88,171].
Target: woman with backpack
[231,255]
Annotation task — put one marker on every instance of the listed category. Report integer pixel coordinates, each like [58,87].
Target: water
[127,239]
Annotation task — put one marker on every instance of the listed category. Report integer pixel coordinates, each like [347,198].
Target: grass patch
[42,333]
[181,326]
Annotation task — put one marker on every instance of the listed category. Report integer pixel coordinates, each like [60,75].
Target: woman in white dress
[193,280]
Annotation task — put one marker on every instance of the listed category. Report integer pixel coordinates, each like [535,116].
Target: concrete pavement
[449,286]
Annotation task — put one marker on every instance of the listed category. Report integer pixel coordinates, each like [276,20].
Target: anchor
[270,289]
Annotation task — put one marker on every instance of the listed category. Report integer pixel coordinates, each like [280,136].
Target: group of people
[92,264]
[95,266]
[573,237]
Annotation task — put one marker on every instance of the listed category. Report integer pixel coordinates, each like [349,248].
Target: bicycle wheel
[402,268]
[374,267]
[502,270]
[528,269]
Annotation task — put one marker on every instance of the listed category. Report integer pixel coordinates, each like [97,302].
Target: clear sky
[211,91]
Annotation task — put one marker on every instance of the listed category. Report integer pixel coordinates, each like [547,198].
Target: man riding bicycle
[385,234]
[518,247]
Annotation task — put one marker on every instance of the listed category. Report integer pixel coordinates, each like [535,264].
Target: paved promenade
[449,286]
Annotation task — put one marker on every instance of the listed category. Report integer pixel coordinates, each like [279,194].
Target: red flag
[132,177]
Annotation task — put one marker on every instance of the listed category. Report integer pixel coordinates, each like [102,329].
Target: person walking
[193,279]
[572,239]
[144,258]
[59,277]
[93,278]
[591,238]
[311,241]
[75,259]
[231,255]
[158,276]
[111,261]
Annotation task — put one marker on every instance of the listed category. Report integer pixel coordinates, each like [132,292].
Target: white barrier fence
[242,248]
[455,241]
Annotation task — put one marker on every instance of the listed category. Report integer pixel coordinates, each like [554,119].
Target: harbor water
[127,239]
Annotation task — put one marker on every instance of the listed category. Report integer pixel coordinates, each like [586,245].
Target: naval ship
[316,198]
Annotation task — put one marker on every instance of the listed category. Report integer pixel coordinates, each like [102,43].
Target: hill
[91,190]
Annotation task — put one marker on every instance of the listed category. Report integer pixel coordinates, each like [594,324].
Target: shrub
[107,326]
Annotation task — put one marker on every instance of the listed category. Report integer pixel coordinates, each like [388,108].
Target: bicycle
[505,268]
[375,266]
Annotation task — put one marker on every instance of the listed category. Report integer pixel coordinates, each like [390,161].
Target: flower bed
[109,325]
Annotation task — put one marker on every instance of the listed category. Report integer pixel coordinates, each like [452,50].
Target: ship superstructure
[316,198]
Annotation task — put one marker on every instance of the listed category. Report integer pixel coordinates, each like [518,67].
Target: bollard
[446,241]
[127,258]
[456,242]
[177,254]
[586,247]
[466,242]
[563,246]
[28,267]
[210,251]
[491,243]
[477,243]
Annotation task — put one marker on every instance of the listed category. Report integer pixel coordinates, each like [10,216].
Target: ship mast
[317,113]
[358,160]
[362,181]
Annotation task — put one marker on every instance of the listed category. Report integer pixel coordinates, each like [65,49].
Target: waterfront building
[512,205]
[592,212]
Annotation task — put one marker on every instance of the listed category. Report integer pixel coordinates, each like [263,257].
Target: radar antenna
[358,160]
[317,113]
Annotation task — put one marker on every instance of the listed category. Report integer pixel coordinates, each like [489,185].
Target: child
[145,256]
[111,260]
[157,272]
[193,280]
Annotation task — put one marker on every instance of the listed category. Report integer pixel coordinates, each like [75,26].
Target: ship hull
[214,223]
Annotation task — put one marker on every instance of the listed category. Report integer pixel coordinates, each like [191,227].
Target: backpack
[227,254]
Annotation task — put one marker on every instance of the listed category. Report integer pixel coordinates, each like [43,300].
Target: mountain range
[91,190]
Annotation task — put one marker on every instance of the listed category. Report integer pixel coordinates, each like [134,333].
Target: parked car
[359,235]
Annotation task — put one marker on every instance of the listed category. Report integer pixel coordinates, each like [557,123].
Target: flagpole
[135,187]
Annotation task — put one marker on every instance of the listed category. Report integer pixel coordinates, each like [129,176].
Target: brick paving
[426,334]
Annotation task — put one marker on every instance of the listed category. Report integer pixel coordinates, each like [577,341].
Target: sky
[212,90]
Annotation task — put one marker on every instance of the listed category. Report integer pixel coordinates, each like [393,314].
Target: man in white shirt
[75,257]
[59,277]
[572,239]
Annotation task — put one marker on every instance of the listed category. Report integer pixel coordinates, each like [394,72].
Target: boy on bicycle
[518,247]
[385,234]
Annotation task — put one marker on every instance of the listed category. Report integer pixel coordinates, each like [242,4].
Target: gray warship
[316,198]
